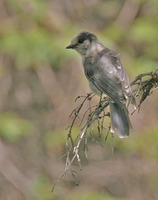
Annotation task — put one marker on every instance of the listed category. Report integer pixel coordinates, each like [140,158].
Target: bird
[106,75]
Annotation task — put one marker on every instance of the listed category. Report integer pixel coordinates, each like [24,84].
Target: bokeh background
[39,81]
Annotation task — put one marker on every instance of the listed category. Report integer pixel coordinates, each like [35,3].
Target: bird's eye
[80,40]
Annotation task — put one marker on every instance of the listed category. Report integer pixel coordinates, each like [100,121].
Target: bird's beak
[71,46]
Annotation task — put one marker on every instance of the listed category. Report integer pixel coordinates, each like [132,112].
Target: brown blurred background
[39,81]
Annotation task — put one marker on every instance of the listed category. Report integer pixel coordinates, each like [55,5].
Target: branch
[143,85]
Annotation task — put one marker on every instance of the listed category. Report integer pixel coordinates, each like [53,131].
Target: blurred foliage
[28,38]
[42,187]
[145,145]
[33,38]
[51,140]
[92,196]
[33,47]
[12,127]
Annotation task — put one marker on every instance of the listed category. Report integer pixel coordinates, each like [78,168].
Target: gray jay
[106,74]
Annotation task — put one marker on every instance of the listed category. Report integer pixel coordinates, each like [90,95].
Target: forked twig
[143,85]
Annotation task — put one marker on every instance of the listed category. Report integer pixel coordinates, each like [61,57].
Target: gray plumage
[106,74]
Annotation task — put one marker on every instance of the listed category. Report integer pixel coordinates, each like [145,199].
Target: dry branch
[143,85]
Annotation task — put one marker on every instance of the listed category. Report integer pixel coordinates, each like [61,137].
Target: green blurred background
[39,81]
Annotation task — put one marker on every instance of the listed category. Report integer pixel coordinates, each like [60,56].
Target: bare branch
[143,85]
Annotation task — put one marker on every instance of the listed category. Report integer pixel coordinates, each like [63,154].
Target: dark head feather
[86,36]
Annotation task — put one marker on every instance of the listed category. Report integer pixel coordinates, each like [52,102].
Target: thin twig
[145,84]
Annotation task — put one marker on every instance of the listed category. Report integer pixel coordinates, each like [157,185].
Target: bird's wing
[121,74]
[110,77]
[123,77]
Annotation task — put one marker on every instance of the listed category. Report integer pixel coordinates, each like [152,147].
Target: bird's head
[82,42]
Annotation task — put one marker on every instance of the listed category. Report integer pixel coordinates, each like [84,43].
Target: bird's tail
[120,121]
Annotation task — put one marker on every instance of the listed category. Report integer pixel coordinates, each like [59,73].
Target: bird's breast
[88,68]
